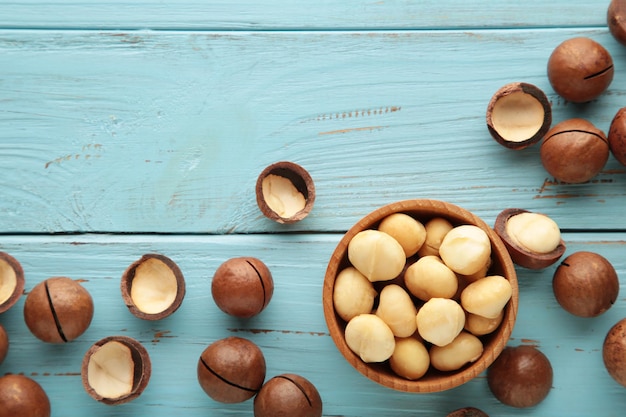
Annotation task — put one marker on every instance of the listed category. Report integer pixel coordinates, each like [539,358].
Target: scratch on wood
[530,342]
[257,331]
[354,129]
[96,147]
[161,334]
[359,113]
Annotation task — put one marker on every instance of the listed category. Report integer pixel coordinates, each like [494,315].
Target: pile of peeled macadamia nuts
[418,295]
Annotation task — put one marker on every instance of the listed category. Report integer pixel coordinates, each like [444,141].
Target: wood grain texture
[291,331]
[180,124]
[298,14]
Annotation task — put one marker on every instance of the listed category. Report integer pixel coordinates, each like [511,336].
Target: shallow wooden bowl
[434,380]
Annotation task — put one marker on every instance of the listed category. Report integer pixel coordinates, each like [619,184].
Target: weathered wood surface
[299,344]
[167,131]
[135,127]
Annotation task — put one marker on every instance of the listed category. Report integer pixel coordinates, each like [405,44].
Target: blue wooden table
[129,127]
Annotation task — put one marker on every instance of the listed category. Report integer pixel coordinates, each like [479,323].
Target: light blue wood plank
[298,14]
[167,131]
[291,331]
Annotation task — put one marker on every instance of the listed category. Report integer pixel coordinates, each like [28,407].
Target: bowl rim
[433,381]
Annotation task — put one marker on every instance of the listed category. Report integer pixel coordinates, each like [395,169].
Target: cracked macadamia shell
[231,370]
[58,310]
[21,396]
[285,192]
[616,20]
[242,287]
[574,151]
[580,69]
[153,287]
[518,115]
[116,370]
[523,236]
[4,344]
[288,395]
[11,281]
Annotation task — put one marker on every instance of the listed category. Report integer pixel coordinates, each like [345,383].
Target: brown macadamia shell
[242,287]
[617,136]
[585,284]
[574,151]
[58,310]
[616,20]
[288,395]
[518,115]
[614,352]
[231,370]
[11,281]
[520,377]
[580,69]
[285,192]
[468,412]
[21,396]
[4,344]
[111,355]
[153,287]
[520,255]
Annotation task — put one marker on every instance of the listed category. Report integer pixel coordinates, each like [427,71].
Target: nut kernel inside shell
[154,286]
[518,116]
[8,281]
[534,232]
[110,370]
[282,196]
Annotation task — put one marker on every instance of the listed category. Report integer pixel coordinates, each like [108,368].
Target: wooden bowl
[433,381]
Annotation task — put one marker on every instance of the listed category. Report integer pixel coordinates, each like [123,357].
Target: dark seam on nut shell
[300,387]
[221,378]
[577,131]
[599,73]
[262,284]
[54,313]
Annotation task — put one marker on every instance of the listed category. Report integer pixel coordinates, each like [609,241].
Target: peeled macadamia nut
[242,287]
[376,255]
[585,284]
[487,296]
[429,277]
[465,348]
[518,115]
[580,69]
[116,370]
[534,232]
[410,358]
[370,337]
[288,395]
[465,249]
[21,396]
[285,192]
[231,370]
[11,281]
[520,377]
[533,240]
[397,310]
[409,232]
[353,294]
[617,134]
[480,326]
[4,344]
[436,229]
[614,352]
[58,310]
[574,151]
[440,320]
[153,287]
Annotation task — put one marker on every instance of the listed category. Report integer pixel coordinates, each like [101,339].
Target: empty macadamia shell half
[518,115]
[285,192]
[519,254]
[116,370]
[153,287]
[11,281]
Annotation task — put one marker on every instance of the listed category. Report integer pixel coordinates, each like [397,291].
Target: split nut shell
[288,395]
[11,281]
